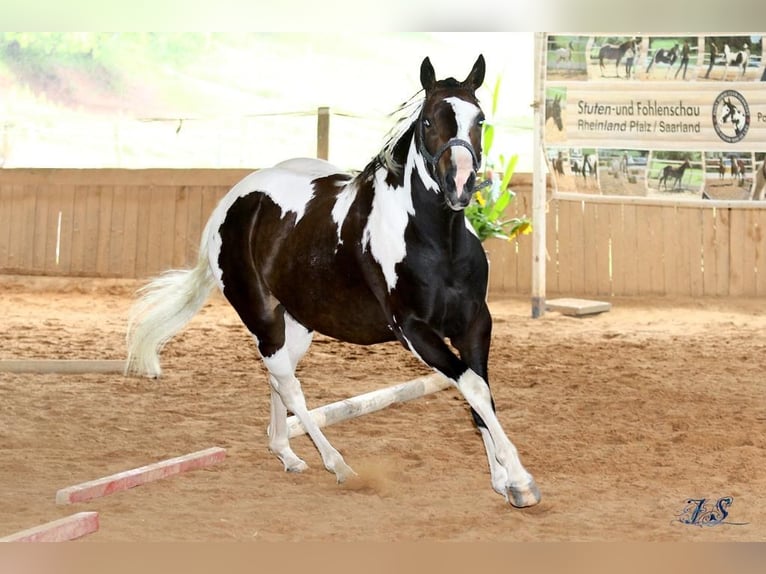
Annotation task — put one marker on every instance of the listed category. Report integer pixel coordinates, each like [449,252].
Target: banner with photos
[658,116]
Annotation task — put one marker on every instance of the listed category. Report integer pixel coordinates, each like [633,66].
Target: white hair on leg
[279,442]
[520,487]
[288,387]
[297,341]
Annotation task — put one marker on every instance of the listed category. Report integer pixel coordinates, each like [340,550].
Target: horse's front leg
[508,476]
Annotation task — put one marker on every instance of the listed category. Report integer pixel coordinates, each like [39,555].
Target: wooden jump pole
[138,476]
[61,530]
[61,366]
[370,402]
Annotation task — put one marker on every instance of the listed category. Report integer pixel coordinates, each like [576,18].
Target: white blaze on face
[465,117]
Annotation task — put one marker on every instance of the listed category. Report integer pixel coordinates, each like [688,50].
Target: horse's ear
[427,75]
[476,77]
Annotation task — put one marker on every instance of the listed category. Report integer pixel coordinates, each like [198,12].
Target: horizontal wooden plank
[61,530]
[138,476]
[61,366]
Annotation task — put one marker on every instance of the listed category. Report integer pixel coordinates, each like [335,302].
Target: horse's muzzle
[458,192]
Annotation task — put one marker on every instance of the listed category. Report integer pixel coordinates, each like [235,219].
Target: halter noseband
[433,159]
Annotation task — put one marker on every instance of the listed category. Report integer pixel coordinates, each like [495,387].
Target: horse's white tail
[164,306]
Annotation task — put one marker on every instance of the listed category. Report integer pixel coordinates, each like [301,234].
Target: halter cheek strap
[433,159]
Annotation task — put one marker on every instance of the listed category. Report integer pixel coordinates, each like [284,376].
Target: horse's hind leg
[282,378]
[279,440]
[297,342]
[281,341]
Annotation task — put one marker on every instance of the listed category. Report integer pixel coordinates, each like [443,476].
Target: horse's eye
[426,123]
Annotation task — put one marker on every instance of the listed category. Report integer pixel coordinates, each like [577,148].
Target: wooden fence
[604,246]
[105,223]
[135,224]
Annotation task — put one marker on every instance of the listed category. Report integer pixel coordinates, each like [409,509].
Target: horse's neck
[436,227]
[433,224]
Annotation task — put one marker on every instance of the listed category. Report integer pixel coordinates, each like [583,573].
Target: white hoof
[291,461]
[297,466]
[523,496]
[342,472]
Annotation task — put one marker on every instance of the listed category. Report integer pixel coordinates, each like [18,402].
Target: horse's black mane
[393,155]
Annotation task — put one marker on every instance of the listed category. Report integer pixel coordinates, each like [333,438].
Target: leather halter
[433,159]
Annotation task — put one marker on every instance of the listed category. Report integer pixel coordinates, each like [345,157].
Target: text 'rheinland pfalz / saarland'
[639,116]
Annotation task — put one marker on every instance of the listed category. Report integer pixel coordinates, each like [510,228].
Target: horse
[564,54]
[588,167]
[735,115]
[721,169]
[759,185]
[616,53]
[739,59]
[664,56]
[618,166]
[553,110]
[384,255]
[675,174]
[737,169]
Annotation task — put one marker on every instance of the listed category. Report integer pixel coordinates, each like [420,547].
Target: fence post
[539,183]
[323,133]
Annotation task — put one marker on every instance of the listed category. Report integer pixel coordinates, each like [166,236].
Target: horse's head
[448,133]
[553,110]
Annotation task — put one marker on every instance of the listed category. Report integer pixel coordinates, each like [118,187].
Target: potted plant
[485,212]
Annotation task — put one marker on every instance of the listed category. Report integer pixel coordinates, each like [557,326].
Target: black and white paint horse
[664,56]
[553,111]
[739,60]
[589,168]
[674,175]
[385,255]
[616,53]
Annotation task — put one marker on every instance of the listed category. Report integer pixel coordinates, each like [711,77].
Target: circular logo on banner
[731,116]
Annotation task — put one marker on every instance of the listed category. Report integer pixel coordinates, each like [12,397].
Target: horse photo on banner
[661,116]
[567,58]
[733,58]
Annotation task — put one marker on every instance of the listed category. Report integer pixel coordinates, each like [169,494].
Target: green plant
[485,212]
